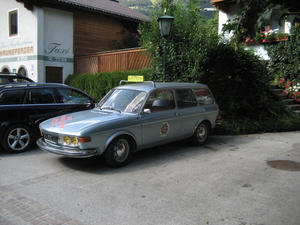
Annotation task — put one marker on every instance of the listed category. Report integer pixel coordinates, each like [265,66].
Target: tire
[119,152]
[201,134]
[17,138]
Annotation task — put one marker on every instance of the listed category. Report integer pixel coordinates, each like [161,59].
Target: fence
[130,59]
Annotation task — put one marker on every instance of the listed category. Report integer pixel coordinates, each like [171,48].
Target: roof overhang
[222,5]
[105,7]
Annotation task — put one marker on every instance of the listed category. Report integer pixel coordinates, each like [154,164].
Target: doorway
[54,74]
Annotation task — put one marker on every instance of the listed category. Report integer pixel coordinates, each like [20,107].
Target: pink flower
[286,86]
[285,92]
[282,80]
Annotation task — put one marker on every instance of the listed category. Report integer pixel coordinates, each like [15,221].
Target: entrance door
[54,74]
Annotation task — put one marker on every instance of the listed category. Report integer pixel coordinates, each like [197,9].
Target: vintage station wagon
[133,117]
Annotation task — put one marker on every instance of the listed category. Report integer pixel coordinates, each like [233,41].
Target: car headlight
[73,141]
[69,140]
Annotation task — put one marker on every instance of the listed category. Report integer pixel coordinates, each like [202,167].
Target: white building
[227,10]
[37,37]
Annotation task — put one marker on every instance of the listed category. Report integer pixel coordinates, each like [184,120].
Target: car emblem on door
[164,130]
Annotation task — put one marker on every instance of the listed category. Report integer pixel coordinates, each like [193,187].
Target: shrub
[97,85]
[285,58]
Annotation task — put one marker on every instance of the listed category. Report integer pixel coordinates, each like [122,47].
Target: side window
[160,101]
[185,98]
[41,96]
[12,97]
[203,96]
[69,95]
[13,23]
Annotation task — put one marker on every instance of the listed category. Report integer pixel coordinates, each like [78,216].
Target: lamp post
[165,23]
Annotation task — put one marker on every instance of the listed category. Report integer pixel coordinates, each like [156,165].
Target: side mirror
[146,111]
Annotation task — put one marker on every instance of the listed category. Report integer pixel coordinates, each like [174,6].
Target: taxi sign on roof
[135,78]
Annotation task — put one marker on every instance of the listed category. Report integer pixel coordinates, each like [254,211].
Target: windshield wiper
[111,108]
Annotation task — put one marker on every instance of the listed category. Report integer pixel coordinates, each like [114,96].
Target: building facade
[40,38]
[227,11]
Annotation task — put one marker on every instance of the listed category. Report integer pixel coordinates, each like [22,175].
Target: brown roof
[222,5]
[109,7]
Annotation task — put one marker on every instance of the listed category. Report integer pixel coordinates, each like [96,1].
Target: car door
[11,106]
[41,104]
[160,121]
[188,110]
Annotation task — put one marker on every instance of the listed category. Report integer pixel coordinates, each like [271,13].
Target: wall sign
[56,48]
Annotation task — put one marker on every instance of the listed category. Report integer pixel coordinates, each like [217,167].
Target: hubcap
[121,150]
[18,139]
[201,133]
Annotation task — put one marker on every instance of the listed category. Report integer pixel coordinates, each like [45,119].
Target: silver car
[133,117]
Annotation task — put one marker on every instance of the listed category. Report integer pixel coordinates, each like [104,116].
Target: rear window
[185,98]
[204,96]
[12,97]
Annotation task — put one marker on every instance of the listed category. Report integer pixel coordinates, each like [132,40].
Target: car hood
[74,123]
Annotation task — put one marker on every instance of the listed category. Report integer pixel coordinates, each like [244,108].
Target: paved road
[234,180]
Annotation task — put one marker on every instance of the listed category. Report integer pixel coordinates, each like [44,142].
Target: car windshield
[124,100]
[11,79]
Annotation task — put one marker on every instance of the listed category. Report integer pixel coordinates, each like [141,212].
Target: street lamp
[165,23]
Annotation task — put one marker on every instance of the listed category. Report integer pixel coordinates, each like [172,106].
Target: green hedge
[240,115]
[97,85]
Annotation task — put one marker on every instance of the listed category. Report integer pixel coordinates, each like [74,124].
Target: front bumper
[74,153]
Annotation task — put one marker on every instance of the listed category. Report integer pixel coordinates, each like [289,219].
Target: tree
[236,76]
[285,58]
[253,15]
[187,45]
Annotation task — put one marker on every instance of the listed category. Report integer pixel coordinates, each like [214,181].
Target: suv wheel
[17,138]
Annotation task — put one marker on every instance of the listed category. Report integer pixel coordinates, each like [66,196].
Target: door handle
[176,114]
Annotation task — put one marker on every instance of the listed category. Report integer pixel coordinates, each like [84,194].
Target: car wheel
[201,134]
[118,152]
[17,138]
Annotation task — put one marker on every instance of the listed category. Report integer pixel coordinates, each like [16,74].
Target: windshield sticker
[61,121]
[164,130]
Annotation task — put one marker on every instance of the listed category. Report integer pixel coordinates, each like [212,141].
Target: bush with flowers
[291,88]
[266,36]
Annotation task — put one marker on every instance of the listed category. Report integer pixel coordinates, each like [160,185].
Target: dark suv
[23,106]
[8,78]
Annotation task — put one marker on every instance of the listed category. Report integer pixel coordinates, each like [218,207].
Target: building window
[13,23]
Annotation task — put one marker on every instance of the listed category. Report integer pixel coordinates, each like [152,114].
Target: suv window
[69,95]
[160,101]
[41,96]
[203,96]
[12,97]
[185,98]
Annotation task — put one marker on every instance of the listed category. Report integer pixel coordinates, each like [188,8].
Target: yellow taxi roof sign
[135,78]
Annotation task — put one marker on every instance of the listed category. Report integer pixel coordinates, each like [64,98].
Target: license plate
[50,138]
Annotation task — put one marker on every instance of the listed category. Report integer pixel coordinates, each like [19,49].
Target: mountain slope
[144,6]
